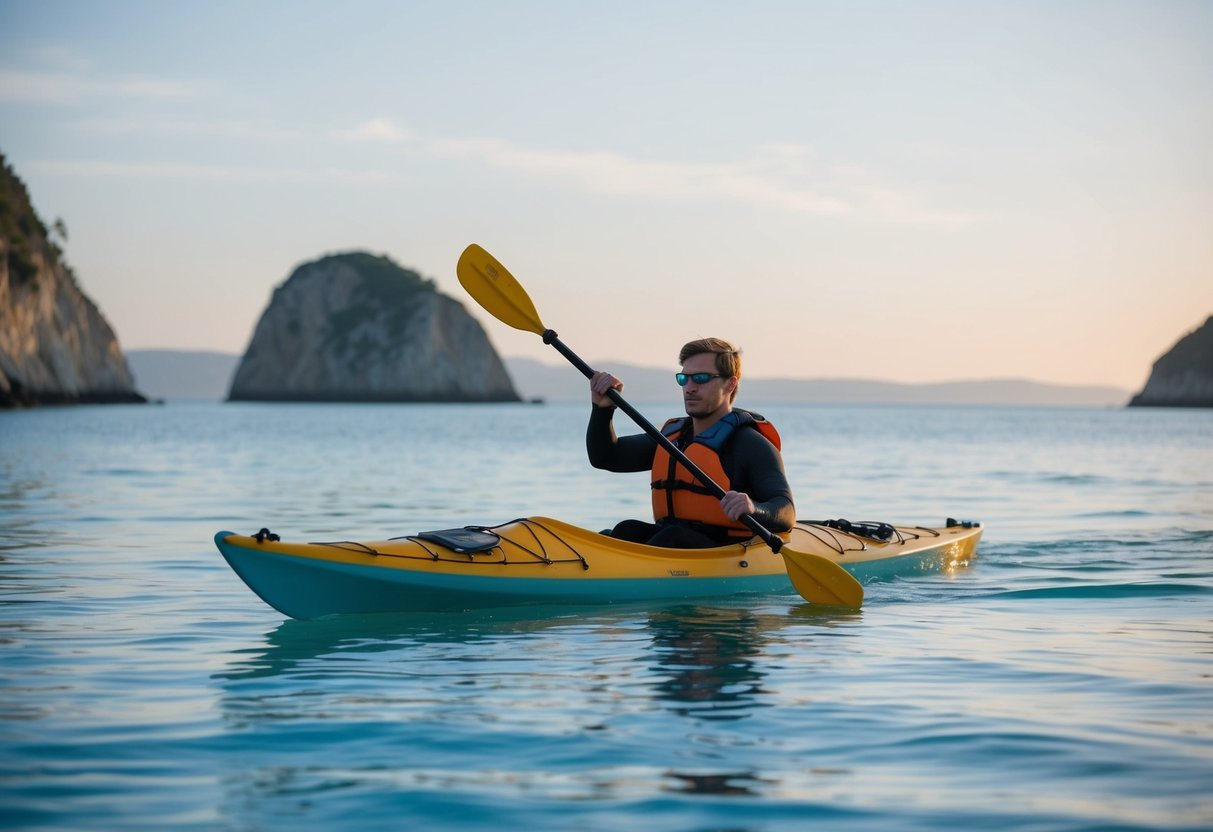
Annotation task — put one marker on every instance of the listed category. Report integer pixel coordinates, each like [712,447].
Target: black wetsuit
[753,465]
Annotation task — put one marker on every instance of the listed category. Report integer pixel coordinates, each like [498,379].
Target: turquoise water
[1062,682]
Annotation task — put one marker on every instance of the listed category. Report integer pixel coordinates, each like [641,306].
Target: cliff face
[55,345]
[355,327]
[1183,377]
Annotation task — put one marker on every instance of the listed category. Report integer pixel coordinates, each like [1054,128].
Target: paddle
[818,579]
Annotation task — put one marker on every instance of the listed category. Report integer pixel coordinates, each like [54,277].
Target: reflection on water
[579,691]
[295,645]
[699,661]
[718,785]
[705,661]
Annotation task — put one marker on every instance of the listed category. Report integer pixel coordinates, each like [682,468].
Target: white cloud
[752,181]
[783,177]
[892,204]
[780,176]
[61,57]
[202,172]
[379,130]
[69,87]
[117,125]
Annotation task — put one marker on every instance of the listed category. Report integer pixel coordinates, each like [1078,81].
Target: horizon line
[793,379]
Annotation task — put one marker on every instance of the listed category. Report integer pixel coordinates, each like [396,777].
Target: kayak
[538,560]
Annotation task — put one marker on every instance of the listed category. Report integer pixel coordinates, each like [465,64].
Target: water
[1062,682]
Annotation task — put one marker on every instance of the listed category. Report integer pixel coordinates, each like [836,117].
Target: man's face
[704,399]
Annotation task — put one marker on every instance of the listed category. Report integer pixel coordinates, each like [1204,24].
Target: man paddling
[736,448]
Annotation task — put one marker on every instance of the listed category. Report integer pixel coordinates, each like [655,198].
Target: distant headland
[55,345]
[1183,376]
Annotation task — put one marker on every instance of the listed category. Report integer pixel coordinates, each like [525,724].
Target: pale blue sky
[906,191]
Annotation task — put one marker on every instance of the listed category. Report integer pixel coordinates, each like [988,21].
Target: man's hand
[599,385]
[736,504]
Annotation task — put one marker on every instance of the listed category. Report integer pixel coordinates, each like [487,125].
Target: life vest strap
[674,485]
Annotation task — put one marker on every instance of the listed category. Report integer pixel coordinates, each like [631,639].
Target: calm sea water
[1062,682]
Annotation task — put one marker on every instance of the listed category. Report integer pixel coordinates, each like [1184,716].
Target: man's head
[717,358]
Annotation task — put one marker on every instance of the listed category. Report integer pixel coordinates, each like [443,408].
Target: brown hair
[728,357]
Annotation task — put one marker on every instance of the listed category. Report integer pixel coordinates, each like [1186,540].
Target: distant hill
[182,374]
[563,383]
[177,374]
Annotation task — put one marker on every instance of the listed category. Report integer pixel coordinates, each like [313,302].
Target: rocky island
[357,327]
[55,345]
[1183,376]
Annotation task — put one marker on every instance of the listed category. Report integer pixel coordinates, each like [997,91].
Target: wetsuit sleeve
[613,453]
[758,472]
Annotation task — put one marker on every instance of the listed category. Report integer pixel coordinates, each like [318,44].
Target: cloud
[379,130]
[895,205]
[906,208]
[213,173]
[782,176]
[143,125]
[60,56]
[614,173]
[69,87]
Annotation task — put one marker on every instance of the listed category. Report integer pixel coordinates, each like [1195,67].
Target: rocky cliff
[55,345]
[356,327]
[1183,376]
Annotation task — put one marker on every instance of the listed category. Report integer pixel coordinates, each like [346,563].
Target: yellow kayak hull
[539,560]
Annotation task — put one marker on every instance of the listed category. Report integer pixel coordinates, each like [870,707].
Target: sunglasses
[698,378]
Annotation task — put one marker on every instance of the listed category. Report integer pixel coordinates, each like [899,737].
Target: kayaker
[728,443]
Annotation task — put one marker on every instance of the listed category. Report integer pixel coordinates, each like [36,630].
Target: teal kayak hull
[544,562]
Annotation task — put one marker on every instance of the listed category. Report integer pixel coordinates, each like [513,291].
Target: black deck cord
[433,555]
[833,541]
[266,534]
[831,526]
[345,546]
[424,544]
[527,523]
[869,529]
[505,559]
[542,555]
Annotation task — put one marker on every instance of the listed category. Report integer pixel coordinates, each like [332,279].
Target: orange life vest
[678,494]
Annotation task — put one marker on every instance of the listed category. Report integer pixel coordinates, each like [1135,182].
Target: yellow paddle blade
[820,580]
[494,288]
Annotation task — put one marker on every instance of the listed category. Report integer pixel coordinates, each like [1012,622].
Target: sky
[903,191]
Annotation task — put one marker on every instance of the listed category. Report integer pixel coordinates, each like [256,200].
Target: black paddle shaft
[770,538]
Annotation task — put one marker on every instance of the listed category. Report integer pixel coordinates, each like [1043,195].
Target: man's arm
[612,453]
[758,472]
